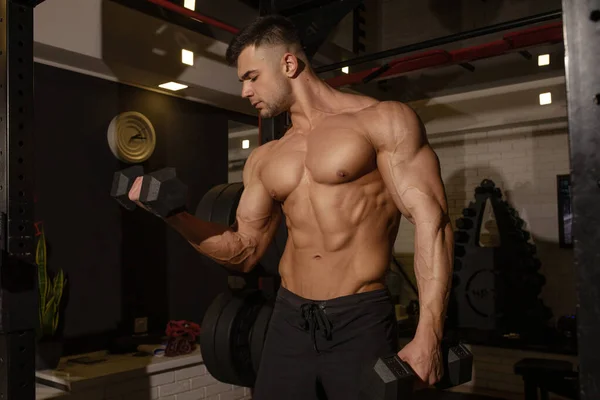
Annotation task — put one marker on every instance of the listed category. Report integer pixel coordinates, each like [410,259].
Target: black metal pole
[534,19]
[582,41]
[18,289]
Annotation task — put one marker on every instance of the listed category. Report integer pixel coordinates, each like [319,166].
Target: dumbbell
[122,183]
[163,194]
[390,378]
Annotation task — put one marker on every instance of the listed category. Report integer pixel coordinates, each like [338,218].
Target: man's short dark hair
[266,30]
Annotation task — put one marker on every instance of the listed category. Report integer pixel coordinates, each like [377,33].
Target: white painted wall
[108,40]
[506,136]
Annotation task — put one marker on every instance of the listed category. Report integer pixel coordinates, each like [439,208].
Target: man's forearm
[434,247]
[218,242]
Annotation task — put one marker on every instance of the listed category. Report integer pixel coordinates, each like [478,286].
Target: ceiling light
[345,70]
[161,29]
[172,86]
[545,98]
[543,59]
[187,57]
[245,144]
[190,4]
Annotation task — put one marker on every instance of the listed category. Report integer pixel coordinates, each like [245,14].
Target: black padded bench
[545,376]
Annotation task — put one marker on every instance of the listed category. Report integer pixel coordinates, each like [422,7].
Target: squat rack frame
[581,22]
[18,283]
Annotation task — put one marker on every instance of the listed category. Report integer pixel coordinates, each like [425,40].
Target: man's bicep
[421,187]
[257,217]
[256,207]
[415,183]
[408,164]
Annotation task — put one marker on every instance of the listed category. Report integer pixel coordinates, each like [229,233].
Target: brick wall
[191,383]
[523,161]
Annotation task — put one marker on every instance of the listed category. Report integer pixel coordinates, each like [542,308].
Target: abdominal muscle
[340,238]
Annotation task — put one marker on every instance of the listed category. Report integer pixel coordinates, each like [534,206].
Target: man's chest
[327,156]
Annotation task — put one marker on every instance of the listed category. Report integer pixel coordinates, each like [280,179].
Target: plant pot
[47,353]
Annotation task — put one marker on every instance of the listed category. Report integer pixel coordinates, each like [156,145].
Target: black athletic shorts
[318,349]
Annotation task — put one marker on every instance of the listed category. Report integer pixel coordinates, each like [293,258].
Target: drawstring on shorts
[315,318]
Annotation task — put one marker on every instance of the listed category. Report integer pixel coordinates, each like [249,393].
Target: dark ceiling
[252,3]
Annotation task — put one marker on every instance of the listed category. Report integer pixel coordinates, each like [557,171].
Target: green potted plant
[50,291]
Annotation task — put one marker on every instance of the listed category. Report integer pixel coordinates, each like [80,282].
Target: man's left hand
[425,358]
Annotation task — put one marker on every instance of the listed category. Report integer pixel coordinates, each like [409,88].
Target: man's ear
[290,64]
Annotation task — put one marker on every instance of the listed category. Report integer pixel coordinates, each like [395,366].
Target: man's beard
[270,111]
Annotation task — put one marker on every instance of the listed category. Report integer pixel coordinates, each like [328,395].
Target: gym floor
[437,395]
[480,394]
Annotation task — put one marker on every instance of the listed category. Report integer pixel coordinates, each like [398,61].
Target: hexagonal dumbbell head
[458,366]
[163,193]
[388,378]
[122,183]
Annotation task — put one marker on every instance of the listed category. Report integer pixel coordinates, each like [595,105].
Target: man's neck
[313,99]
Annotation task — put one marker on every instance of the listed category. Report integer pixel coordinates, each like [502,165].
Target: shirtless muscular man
[342,175]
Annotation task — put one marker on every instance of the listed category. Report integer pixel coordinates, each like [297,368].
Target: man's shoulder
[354,103]
[364,105]
[254,160]
[260,152]
[389,111]
[379,116]
[389,122]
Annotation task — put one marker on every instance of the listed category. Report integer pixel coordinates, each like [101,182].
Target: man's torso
[342,221]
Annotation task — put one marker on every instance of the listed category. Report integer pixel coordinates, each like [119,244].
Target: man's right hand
[161,192]
[134,192]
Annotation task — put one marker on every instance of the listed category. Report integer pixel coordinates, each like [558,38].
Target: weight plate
[259,333]
[270,260]
[282,236]
[242,346]
[280,239]
[480,293]
[208,330]
[231,338]
[205,206]
[226,204]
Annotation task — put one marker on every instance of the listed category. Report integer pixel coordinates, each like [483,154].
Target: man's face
[264,83]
